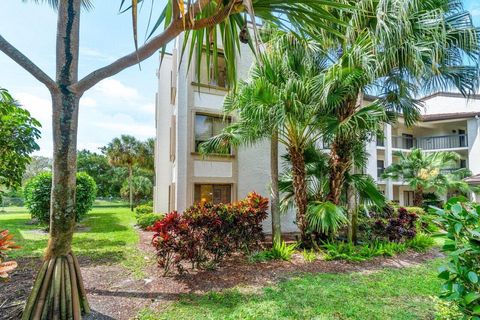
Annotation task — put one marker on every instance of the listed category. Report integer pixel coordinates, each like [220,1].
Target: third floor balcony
[406,142]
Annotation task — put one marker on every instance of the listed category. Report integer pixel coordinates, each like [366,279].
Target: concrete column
[473,132]
[371,168]
[388,160]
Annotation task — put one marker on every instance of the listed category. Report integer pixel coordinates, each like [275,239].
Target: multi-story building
[189,112]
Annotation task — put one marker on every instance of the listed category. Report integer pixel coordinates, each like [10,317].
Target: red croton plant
[205,233]
[6,244]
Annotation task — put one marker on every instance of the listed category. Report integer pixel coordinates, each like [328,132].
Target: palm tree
[278,97]
[205,23]
[324,216]
[394,49]
[423,171]
[124,152]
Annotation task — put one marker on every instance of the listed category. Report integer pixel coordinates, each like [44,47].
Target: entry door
[461,139]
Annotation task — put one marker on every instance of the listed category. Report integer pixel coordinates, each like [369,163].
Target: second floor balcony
[455,141]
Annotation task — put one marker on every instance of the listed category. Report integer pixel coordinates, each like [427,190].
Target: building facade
[189,111]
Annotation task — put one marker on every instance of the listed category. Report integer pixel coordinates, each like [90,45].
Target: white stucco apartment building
[188,113]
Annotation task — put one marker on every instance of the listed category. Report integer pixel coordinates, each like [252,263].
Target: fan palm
[422,171]
[394,49]
[278,97]
[124,152]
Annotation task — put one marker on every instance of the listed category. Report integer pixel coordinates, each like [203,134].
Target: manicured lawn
[389,294]
[106,234]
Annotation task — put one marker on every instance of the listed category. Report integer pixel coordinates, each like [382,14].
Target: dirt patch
[115,294]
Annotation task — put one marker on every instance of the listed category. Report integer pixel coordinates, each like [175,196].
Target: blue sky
[123,104]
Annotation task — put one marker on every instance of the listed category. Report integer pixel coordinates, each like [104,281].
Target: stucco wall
[450,104]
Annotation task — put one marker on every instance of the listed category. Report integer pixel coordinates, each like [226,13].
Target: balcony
[430,143]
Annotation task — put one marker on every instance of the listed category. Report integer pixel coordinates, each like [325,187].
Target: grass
[388,294]
[106,235]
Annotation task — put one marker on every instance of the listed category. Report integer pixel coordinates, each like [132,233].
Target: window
[408,198]
[208,126]
[407,141]
[380,168]
[211,76]
[463,163]
[213,193]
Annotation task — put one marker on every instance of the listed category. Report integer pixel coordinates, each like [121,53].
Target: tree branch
[27,64]
[129,60]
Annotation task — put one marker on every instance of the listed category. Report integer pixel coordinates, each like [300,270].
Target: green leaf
[476,310]
[472,296]
[458,227]
[445,275]
[473,277]
[457,209]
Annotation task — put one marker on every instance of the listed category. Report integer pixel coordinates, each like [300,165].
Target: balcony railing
[430,143]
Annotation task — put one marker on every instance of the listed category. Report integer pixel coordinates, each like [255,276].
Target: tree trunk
[418,197]
[275,194]
[338,167]
[300,189]
[130,186]
[58,291]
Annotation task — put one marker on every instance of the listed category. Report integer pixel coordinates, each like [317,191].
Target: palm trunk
[300,189]
[58,292]
[130,186]
[418,197]
[338,167]
[275,196]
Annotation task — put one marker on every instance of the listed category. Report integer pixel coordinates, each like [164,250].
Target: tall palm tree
[394,49]
[423,171]
[205,23]
[279,97]
[124,152]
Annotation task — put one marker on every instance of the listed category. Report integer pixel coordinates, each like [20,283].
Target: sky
[123,104]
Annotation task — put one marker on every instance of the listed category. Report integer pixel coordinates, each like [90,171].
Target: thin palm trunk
[275,196]
[130,185]
[300,189]
[339,165]
[418,196]
[58,292]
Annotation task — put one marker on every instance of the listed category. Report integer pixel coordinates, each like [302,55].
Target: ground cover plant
[6,244]
[205,233]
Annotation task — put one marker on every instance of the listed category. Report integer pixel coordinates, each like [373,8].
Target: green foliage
[446,310]
[142,189]
[325,217]
[147,220]
[143,209]
[421,243]
[309,255]
[108,179]
[279,251]
[18,135]
[37,193]
[461,220]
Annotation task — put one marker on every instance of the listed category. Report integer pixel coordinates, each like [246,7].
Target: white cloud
[94,54]
[124,124]
[115,89]
[148,108]
[88,102]
[475,12]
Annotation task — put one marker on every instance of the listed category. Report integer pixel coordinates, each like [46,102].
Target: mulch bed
[115,294]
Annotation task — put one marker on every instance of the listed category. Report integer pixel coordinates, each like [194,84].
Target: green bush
[461,220]
[147,220]
[37,193]
[142,210]
[421,243]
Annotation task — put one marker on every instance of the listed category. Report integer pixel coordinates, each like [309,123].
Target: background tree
[124,152]
[147,155]
[37,165]
[18,135]
[201,21]
[97,166]
[423,172]
[141,189]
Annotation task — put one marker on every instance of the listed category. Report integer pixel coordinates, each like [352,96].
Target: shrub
[204,234]
[390,225]
[37,193]
[421,242]
[148,220]
[143,209]
[6,244]
[461,220]
[309,255]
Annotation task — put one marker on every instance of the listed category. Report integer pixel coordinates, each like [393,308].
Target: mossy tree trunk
[58,291]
